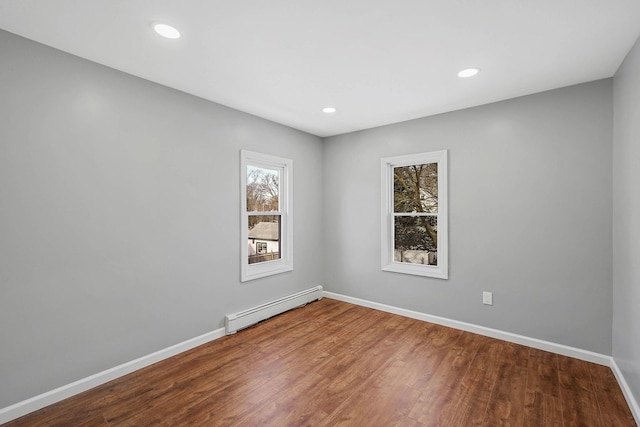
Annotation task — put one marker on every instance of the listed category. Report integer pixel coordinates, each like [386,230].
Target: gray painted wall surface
[529,210]
[119,216]
[626,224]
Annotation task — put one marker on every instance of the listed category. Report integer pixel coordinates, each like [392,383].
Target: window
[266,219]
[414,214]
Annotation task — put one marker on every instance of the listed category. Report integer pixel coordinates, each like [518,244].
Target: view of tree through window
[415,207]
[262,192]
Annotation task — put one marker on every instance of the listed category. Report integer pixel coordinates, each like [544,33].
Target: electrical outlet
[487,298]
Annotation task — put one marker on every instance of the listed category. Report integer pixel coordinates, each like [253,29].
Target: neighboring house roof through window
[264,231]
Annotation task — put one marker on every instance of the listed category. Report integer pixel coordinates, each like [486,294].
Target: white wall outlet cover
[487,298]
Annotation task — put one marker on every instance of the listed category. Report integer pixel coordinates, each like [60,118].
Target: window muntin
[414,236]
[266,246]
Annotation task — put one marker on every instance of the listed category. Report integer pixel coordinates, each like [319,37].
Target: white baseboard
[631,400]
[564,350]
[38,402]
[45,399]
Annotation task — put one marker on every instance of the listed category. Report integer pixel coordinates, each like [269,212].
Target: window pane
[263,187]
[416,239]
[415,188]
[264,238]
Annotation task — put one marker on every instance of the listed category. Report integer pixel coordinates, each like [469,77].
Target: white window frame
[285,263]
[440,271]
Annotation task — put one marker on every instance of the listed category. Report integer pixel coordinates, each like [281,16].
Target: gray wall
[626,223]
[119,216]
[529,209]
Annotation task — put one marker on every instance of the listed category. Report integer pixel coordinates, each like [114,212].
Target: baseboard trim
[564,350]
[45,399]
[626,390]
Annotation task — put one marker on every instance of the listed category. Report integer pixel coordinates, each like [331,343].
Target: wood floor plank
[435,404]
[425,352]
[296,406]
[614,410]
[381,398]
[332,363]
[507,403]
[543,373]
[471,402]
[578,398]
[542,410]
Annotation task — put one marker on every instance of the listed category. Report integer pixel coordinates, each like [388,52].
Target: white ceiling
[376,61]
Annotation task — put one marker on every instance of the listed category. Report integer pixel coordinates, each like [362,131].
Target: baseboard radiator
[243,319]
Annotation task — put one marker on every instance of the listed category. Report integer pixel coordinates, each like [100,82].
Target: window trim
[441,271]
[285,262]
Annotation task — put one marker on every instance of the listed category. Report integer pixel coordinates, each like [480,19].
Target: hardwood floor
[335,364]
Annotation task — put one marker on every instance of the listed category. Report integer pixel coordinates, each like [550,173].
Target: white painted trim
[441,271]
[626,390]
[285,263]
[45,399]
[564,350]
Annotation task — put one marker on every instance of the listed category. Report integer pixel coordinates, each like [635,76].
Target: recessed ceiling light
[469,72]
[329,110]
[166,31]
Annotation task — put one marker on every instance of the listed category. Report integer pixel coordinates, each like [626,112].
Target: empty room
[288,213]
